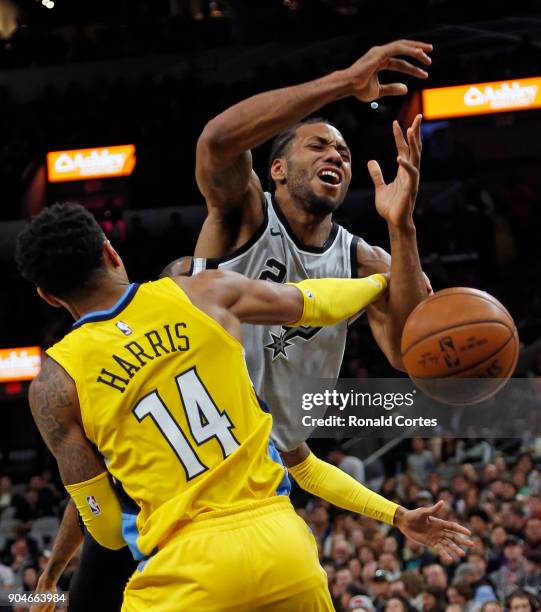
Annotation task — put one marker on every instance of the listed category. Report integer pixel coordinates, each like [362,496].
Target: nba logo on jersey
[93,505]
[124,328]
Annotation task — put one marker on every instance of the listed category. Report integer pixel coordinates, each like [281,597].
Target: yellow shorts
[262,558]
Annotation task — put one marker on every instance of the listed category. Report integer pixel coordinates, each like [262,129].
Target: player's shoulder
[52,383]
[183,266]
[370,258]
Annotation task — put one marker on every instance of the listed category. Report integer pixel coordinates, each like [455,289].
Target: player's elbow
[212,143]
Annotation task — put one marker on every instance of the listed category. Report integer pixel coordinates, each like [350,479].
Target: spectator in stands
[397,603]
[420,461]
[319,522]
[353,589]
[413,587]
[378,588]
[473,575]
[19,558]
[534,503]
[435,576]
[342,579]
[6,493]
[341,551]
[492,606]
[498,538]
[459,487]
[355,567]
[513,571]
[423,499]
[390,563]
[474,450]
[459,593]
[509,490]
[433,600]
[520,601]
[512,518]
[532,571]
[361,603]
[479,521]
[532,535]
[20,547]
[7,580]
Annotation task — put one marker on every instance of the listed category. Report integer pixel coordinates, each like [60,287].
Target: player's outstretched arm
[55,408]
[335,486]
[231,299]
[223,160]
[67,541]
[395,203]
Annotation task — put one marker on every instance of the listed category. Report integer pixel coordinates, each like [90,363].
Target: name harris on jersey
[134,355]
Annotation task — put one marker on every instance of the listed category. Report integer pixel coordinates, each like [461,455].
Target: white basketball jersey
[276,355]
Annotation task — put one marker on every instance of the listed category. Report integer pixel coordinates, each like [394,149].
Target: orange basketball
[458,334]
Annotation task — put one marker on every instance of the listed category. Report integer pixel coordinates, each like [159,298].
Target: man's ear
[50,299]
[110,255]
[279,170]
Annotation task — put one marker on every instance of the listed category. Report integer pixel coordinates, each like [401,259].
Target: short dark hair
[60,249]
[479,512]
[520,594]
[281,143]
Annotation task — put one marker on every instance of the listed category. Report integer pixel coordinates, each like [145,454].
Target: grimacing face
[317,167]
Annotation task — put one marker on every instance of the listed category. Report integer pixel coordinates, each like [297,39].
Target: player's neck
[104,298]
[309,229]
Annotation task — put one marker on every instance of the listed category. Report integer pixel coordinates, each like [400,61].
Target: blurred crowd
[29,519]
[492,488]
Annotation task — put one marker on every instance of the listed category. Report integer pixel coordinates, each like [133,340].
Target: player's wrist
[402,229]
[341,83]
[399,517]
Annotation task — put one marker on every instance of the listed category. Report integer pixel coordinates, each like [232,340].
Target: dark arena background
[78,79]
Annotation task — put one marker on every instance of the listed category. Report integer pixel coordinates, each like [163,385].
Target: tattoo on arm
[55,408]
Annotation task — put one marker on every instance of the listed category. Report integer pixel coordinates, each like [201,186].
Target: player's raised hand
[422,525]
[364,73]
[395,201]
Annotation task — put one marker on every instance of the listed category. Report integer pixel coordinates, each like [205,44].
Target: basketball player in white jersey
[288,234]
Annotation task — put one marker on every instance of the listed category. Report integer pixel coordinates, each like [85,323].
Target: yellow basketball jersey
[166,398]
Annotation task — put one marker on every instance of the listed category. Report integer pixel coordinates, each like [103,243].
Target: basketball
[459,334]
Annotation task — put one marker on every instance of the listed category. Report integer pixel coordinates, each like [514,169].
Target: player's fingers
[414,141]
[428,284]
[453,548]
[458,538]
[401,144]
[375,173]
[442,551]
[455,527]
[400,65]
[392,89]
[408,167]
[410,48]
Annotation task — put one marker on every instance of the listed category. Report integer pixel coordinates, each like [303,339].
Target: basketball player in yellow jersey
[150,387]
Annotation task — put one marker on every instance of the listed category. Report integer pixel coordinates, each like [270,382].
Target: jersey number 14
[204,419]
